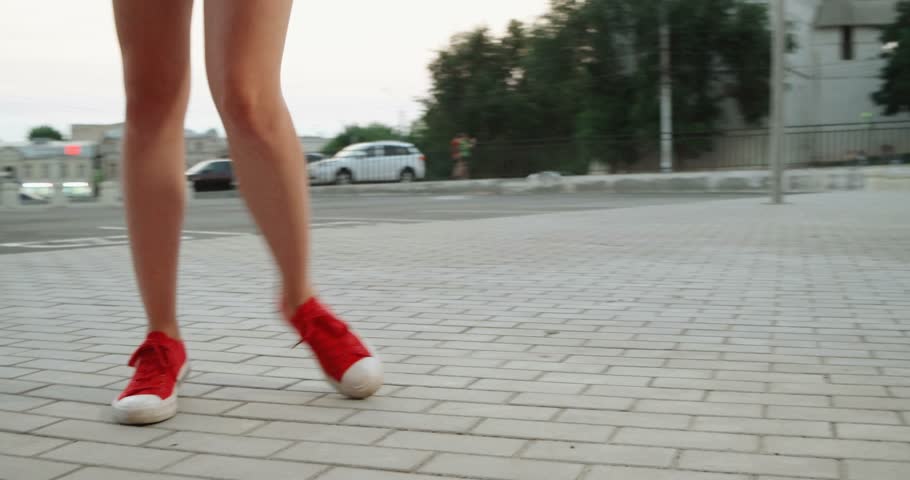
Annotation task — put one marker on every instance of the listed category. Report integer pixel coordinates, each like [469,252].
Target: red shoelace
[154,372]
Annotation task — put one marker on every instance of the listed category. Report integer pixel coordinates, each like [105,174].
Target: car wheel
[407,176]
[343,177]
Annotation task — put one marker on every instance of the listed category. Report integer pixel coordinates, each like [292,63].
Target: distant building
[835,67]
[830,78]
[39,165]
[198,147]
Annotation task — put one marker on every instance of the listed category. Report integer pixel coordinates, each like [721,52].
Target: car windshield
[198,167]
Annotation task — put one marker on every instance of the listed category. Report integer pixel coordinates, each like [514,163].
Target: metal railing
[744,149]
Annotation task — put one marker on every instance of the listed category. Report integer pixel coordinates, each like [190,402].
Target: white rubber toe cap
[362,379]
[144,409]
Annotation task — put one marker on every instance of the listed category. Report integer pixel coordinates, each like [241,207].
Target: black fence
[804,147]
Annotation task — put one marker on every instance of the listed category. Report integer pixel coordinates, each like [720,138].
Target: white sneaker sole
[361,380]
[147,409]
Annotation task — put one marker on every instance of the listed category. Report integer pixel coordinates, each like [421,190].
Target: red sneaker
[151,395]
[350,367]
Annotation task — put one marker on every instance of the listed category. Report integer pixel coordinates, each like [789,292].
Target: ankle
[171,331]
[293,300]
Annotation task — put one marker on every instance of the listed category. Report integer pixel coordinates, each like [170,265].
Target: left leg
[244,42]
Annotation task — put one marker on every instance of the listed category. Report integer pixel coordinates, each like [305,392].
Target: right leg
[154,40]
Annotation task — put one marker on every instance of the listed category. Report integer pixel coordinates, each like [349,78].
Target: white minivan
[371,162]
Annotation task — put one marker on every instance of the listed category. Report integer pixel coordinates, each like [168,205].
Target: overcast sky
[346,61]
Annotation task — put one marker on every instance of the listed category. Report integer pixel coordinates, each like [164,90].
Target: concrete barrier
[110,192]
[9,195]
[58,197]
[741,181]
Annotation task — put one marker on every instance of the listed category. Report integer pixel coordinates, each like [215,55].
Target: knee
[249,107]
[156,102]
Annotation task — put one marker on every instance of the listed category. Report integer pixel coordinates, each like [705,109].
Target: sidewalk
[730,340]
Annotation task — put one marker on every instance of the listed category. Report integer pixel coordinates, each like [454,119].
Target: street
[216,215]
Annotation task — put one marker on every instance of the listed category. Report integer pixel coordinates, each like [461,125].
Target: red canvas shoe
[151,395]
[350,367]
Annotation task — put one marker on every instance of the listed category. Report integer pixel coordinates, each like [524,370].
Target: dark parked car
[211,175]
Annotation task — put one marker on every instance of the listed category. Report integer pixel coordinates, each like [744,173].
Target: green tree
[44,132]
[356,134]
[588,71]
[894,95]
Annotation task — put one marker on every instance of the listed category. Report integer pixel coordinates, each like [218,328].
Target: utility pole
[776,140]
[666,94]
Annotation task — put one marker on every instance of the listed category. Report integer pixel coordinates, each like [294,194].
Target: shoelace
[153,366]
[321,323]
[316,329]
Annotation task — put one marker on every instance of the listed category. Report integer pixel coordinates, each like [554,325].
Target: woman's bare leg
[154,40]
[244,42]
[244,45]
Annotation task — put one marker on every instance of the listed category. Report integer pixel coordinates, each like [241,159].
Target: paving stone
[500,468]
[543,430]
[413,421]
[863,470]
[343,473]
[271,411]
[592,453]
[26,445]
[136,458]
[625,419]
[20,468]
[820,447]
[494,410]
[23,422]
[573,401]
[762,426]
[758,464]
[453,443]
[119,434]
[686,439]
[236,468]
[220,444]
[261,395]
[317,432]
[97,473]
[834,414]
[600,472]
[356,455]
[873,432]
[19,403]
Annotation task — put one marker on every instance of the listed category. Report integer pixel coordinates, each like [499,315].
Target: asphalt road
[86,226]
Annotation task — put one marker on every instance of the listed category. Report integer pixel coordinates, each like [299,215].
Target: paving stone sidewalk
[728,340]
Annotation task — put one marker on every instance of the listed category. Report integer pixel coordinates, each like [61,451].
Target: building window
[45,171]
[81,171]
[64,170]
[28,171]
[846,43]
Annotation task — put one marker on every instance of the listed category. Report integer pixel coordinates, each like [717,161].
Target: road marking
[450,197]
[195,232]
[64,243]
[369,220]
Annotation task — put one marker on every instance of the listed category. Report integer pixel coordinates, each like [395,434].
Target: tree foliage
[590,68]
[894,95]
[356,134]
[44,132]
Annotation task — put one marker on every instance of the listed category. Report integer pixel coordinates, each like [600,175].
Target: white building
[830,78]
[40,165]
[835,68]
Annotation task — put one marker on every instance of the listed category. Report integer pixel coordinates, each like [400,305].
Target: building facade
[38,166]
